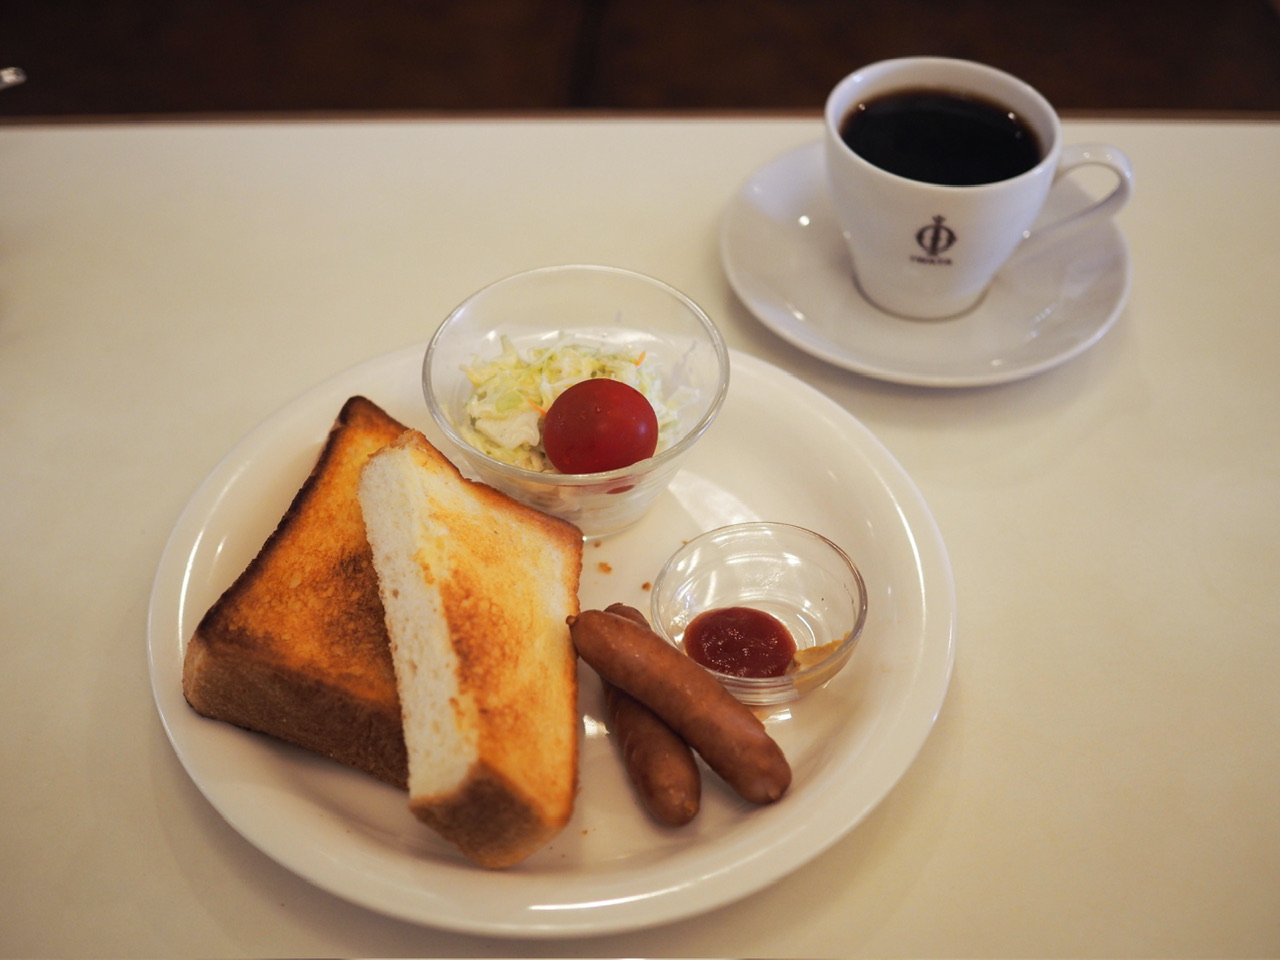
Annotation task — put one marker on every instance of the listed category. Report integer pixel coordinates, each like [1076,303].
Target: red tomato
[599,425]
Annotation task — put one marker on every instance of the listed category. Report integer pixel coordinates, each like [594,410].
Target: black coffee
[937,136]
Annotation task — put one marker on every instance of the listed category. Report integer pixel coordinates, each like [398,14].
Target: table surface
[1103,776]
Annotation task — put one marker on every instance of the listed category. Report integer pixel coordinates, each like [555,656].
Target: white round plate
[611,869]
[786,259]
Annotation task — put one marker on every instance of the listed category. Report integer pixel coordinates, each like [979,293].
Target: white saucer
[785,257]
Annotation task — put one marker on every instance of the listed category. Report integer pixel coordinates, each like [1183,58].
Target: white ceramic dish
[611,869]
[785,258]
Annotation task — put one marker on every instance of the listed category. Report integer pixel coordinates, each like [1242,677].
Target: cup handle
[1083,155]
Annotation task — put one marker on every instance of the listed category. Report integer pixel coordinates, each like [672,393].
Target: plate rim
[830,353]
[942,602]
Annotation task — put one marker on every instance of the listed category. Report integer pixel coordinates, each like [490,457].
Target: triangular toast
[478,590]
[297,646]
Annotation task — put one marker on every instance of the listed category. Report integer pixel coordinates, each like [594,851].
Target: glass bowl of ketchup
[771,609]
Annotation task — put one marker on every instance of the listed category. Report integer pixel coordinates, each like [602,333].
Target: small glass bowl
[798,576]
[598,306]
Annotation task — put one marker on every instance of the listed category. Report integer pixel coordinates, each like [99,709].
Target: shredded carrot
[640,359]
[535,406]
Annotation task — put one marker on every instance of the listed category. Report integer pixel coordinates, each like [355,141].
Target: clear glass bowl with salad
[577,389]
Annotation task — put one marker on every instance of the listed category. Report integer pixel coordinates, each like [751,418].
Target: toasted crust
[478,589]
[297,647]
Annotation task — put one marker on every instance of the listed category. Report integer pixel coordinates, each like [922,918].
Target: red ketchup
[740,642]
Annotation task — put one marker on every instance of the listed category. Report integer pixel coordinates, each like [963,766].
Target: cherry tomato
[599,425]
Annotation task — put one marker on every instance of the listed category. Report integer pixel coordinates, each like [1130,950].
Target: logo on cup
[935,239]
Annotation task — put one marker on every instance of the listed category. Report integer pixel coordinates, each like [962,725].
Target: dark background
[148,57]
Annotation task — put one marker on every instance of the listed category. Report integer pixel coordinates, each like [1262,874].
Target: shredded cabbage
[513,391]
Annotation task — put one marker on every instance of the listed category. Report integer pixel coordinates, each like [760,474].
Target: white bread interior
[477,589]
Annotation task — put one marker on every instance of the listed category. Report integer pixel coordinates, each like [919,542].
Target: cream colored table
[1103,777]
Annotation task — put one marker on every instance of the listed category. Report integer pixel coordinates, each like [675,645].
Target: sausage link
[728,736]
[660,764]
[631,613]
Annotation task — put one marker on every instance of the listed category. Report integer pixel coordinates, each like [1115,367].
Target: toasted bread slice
[477,590]
[297,647]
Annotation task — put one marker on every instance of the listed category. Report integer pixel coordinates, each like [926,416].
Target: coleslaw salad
[513,391]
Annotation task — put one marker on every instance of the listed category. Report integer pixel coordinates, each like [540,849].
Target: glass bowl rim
[765,684]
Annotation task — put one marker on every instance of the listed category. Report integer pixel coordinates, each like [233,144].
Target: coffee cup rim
[1046,120]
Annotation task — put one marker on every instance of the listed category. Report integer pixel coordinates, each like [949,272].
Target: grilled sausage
[727,735]
[631,613]
[661,765]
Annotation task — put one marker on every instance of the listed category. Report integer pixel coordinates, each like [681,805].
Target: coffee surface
[937,136]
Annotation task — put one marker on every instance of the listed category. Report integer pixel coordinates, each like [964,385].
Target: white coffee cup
[929,250]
